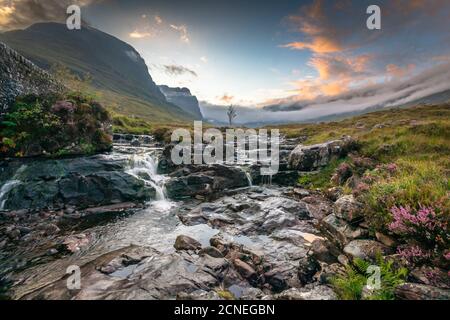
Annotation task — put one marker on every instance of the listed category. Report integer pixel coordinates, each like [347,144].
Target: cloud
[136,34]
[204,59]
[396,71]
[158,20]
[396,92]
[178,70]
[182,29]
[19,14]
[226,98]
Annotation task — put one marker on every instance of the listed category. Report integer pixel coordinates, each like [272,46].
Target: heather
[73,124]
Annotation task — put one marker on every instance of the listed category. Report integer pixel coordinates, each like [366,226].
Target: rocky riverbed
[194,232]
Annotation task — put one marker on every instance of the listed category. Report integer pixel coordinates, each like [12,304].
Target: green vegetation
[350,285]
[55,126]
[415,140]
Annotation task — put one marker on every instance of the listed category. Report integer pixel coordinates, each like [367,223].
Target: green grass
[416,139]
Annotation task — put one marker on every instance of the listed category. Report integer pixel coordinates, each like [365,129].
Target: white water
[6,188]
[144,167]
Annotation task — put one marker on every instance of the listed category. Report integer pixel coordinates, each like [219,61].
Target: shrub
[55,125]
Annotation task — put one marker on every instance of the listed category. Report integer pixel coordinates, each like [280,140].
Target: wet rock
[245,270]
[75,183]
[348,208]
[135,143]
[365,249]
[315,292]
[199,295]
[186,243]
[211,251]
[206,180]
[416,291]
[155,276]
[310,158]
[75,243]
[340,231]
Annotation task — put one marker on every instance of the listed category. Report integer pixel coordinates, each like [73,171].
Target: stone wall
[19,76]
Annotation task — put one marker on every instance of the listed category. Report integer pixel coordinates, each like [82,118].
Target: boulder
[339,231]
[211,251]
[78,183]
[207,180]
[186,243]
[245,270]
[310,158]
[365,249]
[312,292]
[416,291]
[324,251]
[348,208]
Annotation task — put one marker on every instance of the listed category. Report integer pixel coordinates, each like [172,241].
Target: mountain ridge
[116,68]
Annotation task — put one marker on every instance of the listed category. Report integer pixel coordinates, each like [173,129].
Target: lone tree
[231,114]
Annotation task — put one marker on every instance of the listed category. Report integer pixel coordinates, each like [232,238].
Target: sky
[304,58]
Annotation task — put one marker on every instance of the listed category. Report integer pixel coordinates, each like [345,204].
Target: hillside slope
[116,68]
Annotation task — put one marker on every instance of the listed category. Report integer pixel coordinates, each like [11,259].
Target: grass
[416,139]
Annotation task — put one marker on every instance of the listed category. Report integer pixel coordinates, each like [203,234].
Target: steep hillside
[116,68]
[183,98]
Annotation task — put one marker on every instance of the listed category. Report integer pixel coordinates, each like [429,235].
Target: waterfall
[144,167]
[9,185]
[6,188]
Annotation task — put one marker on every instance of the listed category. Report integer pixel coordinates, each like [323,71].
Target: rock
[329,272]
[386,240]
[340,231]
[310,158]
[149,275]
[307,269]
[324,251]
[318,206]
[334,193]
[211,251]
[343,260]
[205,180]
[245,270]
[348,208]
[135,143]
[19,76]
[365,249]
[317,292]
[76,183]
[416,291]
[431,276]
[75,243]
[48,228]
[199,295]
[277,279]
[186,243]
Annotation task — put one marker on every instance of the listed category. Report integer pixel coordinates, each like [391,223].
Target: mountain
[182,98]
[116,68]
